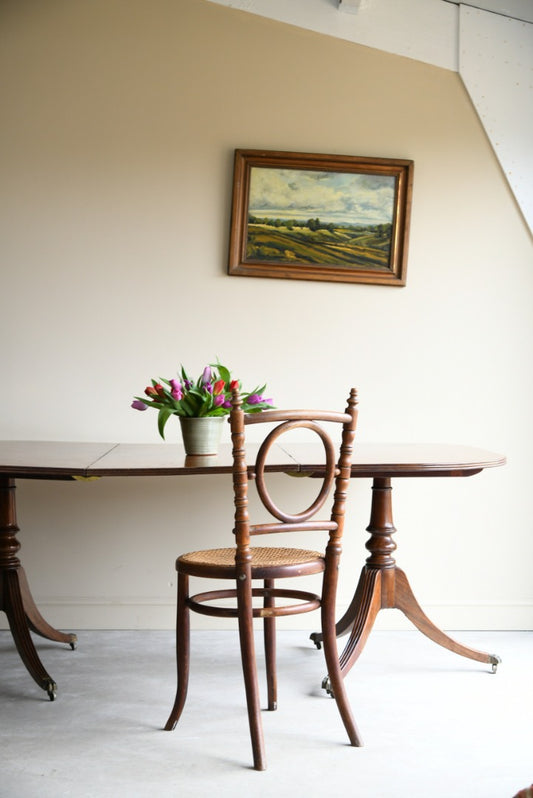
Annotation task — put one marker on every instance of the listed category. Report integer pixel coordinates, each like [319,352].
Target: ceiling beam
[516,9]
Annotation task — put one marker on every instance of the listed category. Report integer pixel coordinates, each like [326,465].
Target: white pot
[202,435]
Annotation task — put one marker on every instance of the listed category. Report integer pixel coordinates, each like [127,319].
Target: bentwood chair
[242,563]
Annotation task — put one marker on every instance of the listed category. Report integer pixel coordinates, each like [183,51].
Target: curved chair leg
[339,693]
[182,651]
[246,636]
[269,634]
[336,679]
[344,625]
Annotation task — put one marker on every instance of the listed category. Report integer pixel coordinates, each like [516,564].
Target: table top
[67,459]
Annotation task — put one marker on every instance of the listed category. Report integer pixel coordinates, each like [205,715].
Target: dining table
[380,585]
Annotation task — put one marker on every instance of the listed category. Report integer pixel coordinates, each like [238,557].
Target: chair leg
[338,689]
[246,636]
[269,634]
[182,651]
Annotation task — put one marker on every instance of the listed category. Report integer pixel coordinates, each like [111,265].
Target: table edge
[96,467]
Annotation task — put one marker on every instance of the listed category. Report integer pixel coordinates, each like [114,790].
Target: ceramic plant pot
[202,435]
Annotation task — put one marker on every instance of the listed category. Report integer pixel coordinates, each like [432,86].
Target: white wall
[120,121]
[490,46]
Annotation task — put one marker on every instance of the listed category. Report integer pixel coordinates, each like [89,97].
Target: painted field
[288,242]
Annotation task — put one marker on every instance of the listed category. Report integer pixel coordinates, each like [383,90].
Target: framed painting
[305,216]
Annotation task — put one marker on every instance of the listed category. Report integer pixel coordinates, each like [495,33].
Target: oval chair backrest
[334,470]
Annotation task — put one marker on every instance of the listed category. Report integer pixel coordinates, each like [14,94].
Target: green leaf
[162,418]
[206,405]
[188,406]
[223,371]
[195,399]
[218,411]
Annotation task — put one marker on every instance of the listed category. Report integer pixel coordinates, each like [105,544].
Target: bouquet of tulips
[209,395]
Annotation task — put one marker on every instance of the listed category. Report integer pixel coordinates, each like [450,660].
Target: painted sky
[332,196]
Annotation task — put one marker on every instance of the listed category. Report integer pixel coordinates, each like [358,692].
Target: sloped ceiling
[488,42]
[516,9]
[496,65]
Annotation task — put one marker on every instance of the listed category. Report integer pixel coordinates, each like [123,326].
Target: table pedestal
[384,586]
[15,596]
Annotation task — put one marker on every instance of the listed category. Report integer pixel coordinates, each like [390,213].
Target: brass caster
[51,689]
[495,661]
[326,685]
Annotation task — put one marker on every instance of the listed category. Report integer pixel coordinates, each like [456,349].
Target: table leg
[15,596]
[382,585]
[35,620]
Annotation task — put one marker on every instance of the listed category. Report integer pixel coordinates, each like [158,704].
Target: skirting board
[74,614]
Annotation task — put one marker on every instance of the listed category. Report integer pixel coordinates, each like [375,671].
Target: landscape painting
[320,217]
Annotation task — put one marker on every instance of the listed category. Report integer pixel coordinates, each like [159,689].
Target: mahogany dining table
[381,583]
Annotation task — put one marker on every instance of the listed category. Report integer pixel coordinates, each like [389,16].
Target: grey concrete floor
[434,724]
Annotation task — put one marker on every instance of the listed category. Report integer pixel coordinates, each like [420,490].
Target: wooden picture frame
[305,216]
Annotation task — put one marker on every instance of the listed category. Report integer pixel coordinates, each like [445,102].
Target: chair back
[334,473]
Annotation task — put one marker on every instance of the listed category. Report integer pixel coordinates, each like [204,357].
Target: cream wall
[119,125]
